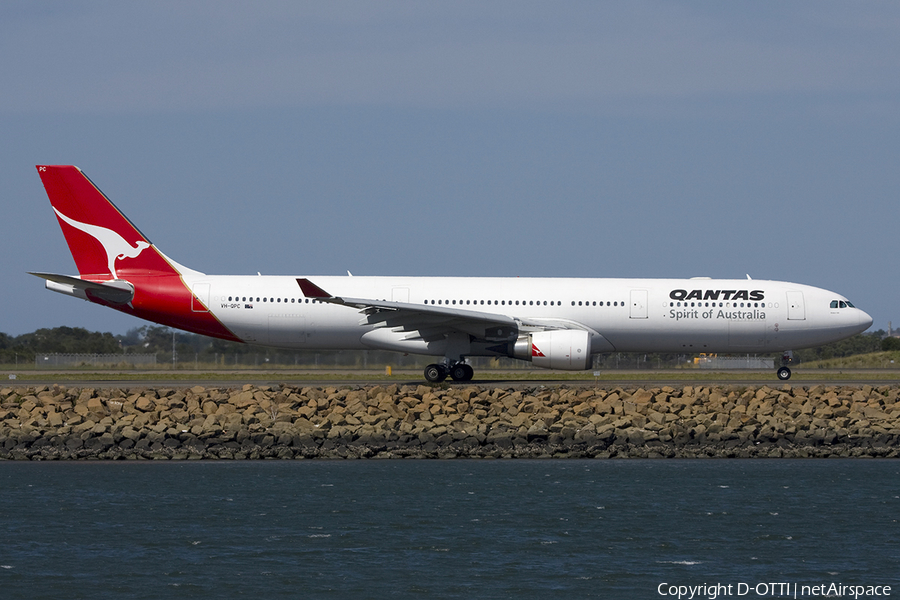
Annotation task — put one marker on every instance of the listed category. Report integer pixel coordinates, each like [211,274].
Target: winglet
[311,290]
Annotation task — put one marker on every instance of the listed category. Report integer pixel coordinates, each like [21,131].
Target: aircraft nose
[865,321]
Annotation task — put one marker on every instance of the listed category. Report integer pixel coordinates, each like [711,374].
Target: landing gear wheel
[435,373]
[784,373]
[462,372]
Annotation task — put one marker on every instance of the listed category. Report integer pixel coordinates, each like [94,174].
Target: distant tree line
[863,343]
[189,347]
[23,348]
[182,348]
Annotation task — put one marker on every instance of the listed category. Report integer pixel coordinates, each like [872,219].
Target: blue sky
[584,139]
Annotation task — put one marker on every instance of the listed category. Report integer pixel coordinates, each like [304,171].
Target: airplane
[555,323]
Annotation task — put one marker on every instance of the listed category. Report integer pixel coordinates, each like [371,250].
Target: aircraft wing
[433,322]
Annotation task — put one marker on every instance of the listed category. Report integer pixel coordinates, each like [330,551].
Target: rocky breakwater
[48,423]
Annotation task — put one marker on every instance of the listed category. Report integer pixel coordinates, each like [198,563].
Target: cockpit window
[834,304]
[841,304]
[850,304]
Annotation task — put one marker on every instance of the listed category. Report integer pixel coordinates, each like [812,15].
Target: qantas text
[717,295]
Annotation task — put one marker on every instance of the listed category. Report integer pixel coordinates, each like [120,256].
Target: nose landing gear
[784,373]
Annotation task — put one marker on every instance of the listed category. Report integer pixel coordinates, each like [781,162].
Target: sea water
[448,528]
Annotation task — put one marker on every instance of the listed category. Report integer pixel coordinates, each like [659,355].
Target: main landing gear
[458,371]
[784,373]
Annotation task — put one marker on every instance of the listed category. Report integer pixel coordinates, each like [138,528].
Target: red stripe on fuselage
[166,299]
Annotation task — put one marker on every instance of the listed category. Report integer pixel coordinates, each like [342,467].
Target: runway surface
[183,379]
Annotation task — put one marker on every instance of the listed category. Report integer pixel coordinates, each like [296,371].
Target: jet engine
[565,349]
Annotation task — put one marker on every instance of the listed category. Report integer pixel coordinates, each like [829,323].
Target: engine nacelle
[566,349]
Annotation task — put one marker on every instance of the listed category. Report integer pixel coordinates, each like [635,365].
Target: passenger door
[796,311]
[639,304]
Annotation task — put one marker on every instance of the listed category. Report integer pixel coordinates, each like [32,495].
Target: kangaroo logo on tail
[115,245]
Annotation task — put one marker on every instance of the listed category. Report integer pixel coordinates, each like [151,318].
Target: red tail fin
[106,246]
[103,242]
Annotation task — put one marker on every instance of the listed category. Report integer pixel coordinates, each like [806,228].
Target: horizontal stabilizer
[115,291]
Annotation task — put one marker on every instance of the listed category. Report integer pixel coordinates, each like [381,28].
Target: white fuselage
[624,315]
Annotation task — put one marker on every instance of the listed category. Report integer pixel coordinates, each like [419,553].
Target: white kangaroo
[115,245]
